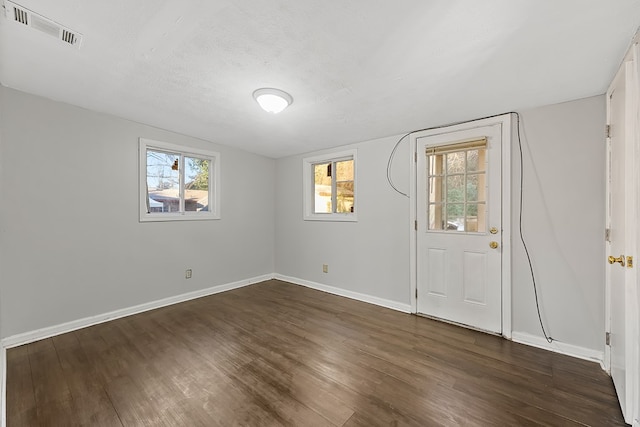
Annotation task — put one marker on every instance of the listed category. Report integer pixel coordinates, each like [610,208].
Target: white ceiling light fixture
[272,100]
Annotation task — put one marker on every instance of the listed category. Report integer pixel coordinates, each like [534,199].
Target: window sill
[177,217]
[332,217]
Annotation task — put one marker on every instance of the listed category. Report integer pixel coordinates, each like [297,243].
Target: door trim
[507,123]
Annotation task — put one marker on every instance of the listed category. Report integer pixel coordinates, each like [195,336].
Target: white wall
[370,256]
[71,244]
[72,247]
[3,353]
[2,95]
[563,223]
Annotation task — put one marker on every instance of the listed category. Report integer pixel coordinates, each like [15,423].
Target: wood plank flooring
[276,354]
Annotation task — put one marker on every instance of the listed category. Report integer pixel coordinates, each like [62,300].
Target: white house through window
[177,183]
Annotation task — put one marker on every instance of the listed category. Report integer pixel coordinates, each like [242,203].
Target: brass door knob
[493,245]
[613,260]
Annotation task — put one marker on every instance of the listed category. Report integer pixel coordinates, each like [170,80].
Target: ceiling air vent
[22,15]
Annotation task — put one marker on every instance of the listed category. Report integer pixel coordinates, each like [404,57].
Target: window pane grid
[333,187]
[456,186]
[330,187]
[177,183]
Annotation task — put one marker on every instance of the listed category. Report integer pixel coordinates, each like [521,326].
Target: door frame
[632,243]
[507,123]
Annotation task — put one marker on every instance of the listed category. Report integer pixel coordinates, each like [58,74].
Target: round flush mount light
[272,100]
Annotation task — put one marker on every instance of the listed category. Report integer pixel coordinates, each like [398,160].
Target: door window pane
[455,216]
[435,165]
[455,162]
[436,187]
[435,216]
[476,160]
[472,188]
[476,218]
[457,188]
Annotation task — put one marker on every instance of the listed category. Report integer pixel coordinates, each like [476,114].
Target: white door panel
[622,217]
[458,202]
[617,239]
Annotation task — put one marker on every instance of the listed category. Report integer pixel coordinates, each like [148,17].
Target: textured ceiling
[357,70]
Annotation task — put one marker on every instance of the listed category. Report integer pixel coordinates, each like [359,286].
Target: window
[456,183]
[330,187]
[178,183]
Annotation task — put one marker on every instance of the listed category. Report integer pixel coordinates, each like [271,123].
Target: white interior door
[616,272]
[459,227]
[622,217]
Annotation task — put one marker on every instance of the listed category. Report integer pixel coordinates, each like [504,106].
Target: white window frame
[182,150]
[309,193]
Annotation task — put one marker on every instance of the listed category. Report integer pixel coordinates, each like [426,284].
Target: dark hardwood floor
[279,354]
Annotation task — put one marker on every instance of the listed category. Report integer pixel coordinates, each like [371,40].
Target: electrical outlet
[187,273]
[325,268]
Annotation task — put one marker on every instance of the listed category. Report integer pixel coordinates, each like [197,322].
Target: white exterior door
[622,197]
[459,226]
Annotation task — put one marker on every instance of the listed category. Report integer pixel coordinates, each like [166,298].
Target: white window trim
[214,182]
[307,167]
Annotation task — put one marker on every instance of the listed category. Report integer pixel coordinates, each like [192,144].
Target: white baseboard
[394,305]
[559,347]
[39,334]
[3,386]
